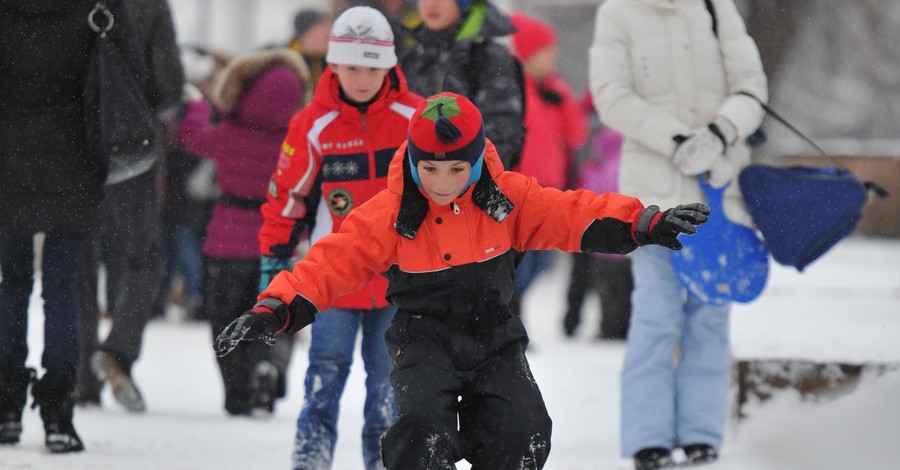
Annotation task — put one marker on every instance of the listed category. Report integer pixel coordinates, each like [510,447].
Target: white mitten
[700,151]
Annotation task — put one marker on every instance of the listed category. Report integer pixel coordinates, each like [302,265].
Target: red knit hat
[446,126]
[531,35]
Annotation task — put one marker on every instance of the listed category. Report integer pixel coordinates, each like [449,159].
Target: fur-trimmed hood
[240,93]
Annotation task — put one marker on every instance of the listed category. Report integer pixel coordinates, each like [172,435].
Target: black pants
[58,260]
[612,279]
[126,241]
[230,290]
[482,379]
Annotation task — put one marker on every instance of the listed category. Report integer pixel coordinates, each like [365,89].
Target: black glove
[656,228]
[263,321]
[266,319]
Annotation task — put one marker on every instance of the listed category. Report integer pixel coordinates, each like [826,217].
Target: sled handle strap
[869,185]
[771,112]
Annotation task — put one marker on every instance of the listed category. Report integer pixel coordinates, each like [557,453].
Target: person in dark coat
[49,183]
[454,49]
[127,238]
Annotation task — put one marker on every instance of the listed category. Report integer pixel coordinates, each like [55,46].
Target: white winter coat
[657,71]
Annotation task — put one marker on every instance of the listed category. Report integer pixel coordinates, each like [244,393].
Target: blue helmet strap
[414,170]
[476,173]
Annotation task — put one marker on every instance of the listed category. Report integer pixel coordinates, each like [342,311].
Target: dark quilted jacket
[474,65]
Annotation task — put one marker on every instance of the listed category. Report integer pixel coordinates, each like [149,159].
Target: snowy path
[845,307]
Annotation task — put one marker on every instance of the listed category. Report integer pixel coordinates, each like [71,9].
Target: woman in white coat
[672,77]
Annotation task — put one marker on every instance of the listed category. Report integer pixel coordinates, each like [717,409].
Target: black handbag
[121,130]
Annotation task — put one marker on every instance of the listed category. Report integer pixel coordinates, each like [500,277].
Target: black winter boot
[53,394]
[570,322]
[264,389]
[13,393]
[699,453]
[653,458]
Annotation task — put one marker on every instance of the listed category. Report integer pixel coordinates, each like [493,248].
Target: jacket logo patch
[340,201]
[284,160]
[440,154]
[273,189]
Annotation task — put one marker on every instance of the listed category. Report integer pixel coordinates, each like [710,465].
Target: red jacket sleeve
[294,177]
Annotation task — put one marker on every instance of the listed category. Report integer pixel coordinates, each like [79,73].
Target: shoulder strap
[712,12]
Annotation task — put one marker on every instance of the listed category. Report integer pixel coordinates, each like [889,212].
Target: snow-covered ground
[845,307]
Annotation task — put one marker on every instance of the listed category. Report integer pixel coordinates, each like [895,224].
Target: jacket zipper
[455,208]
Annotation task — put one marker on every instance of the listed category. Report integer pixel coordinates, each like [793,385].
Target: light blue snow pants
[669,402]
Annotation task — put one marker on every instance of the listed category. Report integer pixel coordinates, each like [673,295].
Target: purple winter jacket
[245,146]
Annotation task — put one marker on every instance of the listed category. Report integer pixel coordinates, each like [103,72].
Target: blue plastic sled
[723,261]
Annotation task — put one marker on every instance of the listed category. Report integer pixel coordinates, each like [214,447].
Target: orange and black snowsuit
[451,273]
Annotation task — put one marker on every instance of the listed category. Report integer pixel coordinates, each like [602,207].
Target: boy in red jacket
[334,158]
[446,233]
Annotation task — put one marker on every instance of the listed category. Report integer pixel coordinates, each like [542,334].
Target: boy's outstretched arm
[266,319]
[651,227]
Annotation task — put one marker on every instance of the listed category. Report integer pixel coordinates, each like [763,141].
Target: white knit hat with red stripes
[362,36]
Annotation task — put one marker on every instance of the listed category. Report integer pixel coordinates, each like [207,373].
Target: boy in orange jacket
[445,233]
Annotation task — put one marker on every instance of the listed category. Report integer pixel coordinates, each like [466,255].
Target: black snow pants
[463,394]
